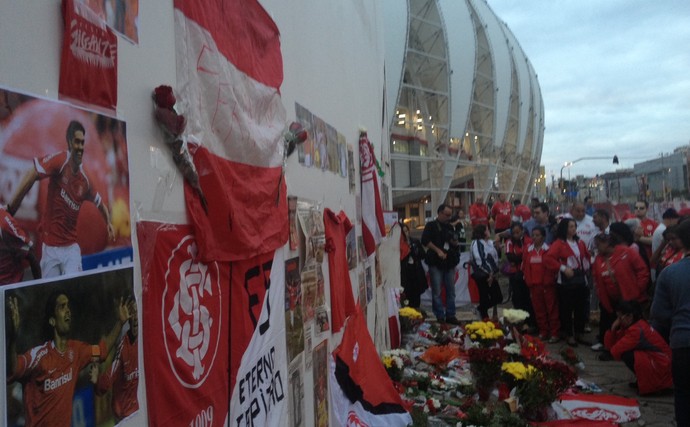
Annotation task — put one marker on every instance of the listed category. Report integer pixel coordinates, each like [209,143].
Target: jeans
[446,278]
[681,385]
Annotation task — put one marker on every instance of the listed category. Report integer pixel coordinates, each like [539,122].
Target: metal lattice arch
[468,116]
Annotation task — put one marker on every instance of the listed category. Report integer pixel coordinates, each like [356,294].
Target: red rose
[163,97]
[170,121]
[297,133]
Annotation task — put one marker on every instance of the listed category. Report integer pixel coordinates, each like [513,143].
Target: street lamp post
[568,164]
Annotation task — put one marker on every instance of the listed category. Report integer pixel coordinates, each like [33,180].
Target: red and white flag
[229,69]
[373,227]
[88,67]
[258,355]
[190,308]
[361,391]
[601,407]
[185,308]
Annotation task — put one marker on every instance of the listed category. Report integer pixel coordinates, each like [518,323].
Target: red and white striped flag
[373,227]
[229,69]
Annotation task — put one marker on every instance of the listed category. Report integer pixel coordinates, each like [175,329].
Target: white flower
[512,348]
[511,315]
[435,403]
[426,409]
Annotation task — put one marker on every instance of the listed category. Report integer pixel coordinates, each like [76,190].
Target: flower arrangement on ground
[513,316]
[532,347]
[395,361]
[440,355]
[484,333]
[543,386]
[485,365]
[410,319]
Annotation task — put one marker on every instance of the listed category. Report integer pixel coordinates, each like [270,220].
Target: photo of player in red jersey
[68,188]
[123,374]
[15,247]
[52,359]
[65,182]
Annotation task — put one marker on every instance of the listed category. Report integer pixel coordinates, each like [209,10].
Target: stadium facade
[466,112]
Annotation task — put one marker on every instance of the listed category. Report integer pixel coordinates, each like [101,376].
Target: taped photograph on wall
[71,350]
[120,15]
[65,187]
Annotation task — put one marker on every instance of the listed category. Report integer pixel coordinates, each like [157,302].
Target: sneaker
[598,347]
[554,340]
[588,329]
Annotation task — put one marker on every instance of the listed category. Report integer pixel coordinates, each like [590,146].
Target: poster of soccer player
[65,186]
[71,351]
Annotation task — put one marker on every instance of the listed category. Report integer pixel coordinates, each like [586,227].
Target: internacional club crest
[191,314]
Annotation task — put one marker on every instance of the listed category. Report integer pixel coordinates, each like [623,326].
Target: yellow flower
[518,369]
[410,312]
[387,361]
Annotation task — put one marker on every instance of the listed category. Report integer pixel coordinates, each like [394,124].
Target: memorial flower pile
[476,374]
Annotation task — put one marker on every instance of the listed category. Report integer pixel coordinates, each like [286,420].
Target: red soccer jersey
[14,245]
[49,379]
[342,300]
[123,376]
[66,192]
[479,214]
[501,212]
[648,227]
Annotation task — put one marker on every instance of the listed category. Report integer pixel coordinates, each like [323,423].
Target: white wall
[333,65]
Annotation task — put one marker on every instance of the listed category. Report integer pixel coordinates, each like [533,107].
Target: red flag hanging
[88,67]
[230,69]
[373,227]
[185,338]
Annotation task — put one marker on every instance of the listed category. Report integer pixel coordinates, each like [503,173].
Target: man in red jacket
[501,212]
[479,212]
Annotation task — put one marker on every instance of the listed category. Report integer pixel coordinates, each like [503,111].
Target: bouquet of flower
[485,365]
[571,358]
[441,355]
[514,316]
[541,387]
[484,333]
[517,370]
[173,125]
[532,347]
[432,405]
[410,319]
[395,361]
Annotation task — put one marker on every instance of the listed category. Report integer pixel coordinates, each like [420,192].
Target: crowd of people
[561,268]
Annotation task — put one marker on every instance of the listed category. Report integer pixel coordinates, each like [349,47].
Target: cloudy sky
[614,75]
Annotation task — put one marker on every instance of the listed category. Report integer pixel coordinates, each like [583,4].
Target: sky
[614,77]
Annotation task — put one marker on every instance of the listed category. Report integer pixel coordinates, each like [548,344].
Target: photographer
[442,255]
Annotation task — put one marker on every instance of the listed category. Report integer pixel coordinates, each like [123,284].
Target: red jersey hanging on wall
[88,67]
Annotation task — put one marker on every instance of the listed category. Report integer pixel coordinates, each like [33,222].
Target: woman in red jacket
[619,274]
[542,287]
[569,257]
[640,346]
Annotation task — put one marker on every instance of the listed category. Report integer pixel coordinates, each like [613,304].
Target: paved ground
[612,377]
